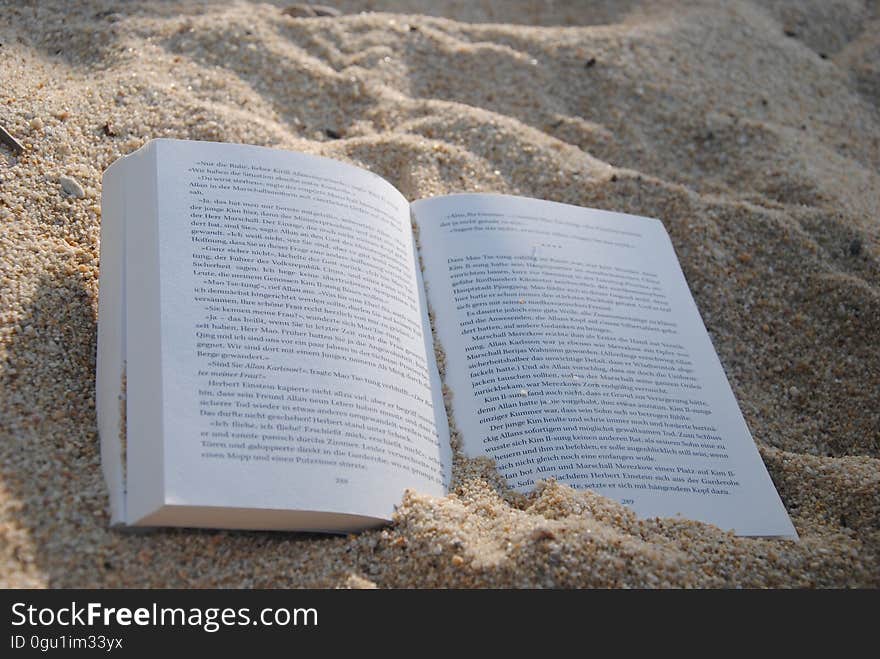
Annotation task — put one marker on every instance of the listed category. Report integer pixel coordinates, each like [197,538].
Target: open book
[266,358]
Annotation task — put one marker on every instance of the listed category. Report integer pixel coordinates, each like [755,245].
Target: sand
[751,128]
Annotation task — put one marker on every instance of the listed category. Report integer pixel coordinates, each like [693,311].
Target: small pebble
[310,11]
[71,187]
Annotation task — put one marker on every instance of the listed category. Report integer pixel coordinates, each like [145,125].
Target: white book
[266,358]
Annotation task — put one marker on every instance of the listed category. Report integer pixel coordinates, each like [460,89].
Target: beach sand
[752,129]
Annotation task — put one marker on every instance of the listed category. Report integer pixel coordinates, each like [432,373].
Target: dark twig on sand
[10,141]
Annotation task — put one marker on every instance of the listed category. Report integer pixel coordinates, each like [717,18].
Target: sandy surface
[751,128]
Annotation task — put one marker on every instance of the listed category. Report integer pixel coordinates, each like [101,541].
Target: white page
[574,350]
[294,367]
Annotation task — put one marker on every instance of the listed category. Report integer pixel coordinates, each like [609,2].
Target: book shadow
[50,457]
[58,523]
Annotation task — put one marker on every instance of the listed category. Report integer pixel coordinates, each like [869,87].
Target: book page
[110,357]
[295,369]
[574,350]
